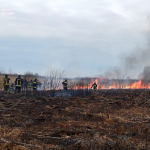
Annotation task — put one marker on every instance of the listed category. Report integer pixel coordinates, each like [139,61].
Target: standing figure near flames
[30,85]
[35,83]
[18,83]
[94,86]
[6,83]
[65,85]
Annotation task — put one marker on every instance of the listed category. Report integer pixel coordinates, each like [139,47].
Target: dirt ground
[109,120]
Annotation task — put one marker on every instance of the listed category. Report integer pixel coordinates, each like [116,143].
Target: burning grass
[109,120]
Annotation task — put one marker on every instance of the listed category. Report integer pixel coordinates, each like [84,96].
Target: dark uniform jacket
[94,86]
[64,83]
[35,83]
[18,82]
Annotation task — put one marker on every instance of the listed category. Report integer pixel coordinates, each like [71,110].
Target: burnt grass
[104,120]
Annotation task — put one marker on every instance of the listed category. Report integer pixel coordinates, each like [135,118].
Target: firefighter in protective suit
[30,85]
[94,86]
[35,83]
[6,83]
[18,83]
[65,85]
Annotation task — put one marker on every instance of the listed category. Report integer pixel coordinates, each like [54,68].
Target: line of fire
[103,83]
[52,83]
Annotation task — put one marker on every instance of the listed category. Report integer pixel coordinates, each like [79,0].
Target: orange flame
[135,85]
[103,84]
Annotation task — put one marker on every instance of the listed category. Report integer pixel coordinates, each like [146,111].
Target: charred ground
[108,119]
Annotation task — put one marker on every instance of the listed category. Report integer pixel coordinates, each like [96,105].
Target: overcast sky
[82,37]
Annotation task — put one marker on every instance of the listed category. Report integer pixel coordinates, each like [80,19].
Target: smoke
[137,61]
[138,58]
[114,73]
[135,64]
[131,66]
[145,75]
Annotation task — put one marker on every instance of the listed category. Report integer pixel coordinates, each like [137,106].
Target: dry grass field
[109,120]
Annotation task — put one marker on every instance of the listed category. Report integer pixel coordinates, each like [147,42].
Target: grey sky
[82,37]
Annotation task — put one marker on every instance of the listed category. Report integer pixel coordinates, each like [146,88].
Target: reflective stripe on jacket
[6,81]
[30,85]
[18,82]
[34,84]
[64,84]
[94,86]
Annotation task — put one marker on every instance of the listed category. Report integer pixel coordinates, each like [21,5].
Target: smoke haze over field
[84,37]
[139,60]
[146,73]
[136,62]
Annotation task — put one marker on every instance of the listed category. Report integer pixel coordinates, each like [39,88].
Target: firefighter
[65,85]
[30,85]
[18,83]
[6,83]
[35,83]
[94,86]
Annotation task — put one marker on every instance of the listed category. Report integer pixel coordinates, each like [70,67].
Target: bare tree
[54,78]
[29,75]
[36,75]
[116,73]
[120,78]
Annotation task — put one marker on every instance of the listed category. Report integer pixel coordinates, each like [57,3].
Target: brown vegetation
[106,121]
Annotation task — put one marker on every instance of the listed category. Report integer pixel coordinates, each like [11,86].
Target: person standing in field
[35,83]
[65,83]
[18,83]
[30,85]
[94,86]
[6,83]
[22,85]
[25,83]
